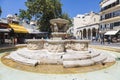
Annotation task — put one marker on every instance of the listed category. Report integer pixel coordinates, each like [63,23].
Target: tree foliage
[25,15]
[38,8]
[66,16]
[43,11]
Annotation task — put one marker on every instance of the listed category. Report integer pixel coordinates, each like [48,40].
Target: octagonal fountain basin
[57,52]
[77,45]
[69,58]
[35,44]
[43,61]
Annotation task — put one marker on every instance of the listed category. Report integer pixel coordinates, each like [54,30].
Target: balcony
[110,6]
[116,28]
[110,20]
[117,7]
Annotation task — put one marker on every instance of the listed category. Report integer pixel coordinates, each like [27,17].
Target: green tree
[66,16]
[38,8]
[43,11]
[25,15]
[0,11]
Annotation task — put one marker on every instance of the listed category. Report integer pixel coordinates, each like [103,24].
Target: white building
[86,26]
[110,18]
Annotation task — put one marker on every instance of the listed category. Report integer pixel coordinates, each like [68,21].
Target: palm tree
[0,11]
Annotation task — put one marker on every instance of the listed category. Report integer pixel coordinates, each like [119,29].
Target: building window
[117,2]
[111,26]
[94,19]
[117,24]
[100,27]
[83,17]
[111,15]
[100,18]
[105,26]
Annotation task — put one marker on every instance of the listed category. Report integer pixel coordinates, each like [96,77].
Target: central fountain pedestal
[58,35]
[56,46]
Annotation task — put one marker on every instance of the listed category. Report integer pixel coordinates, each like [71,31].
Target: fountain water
[69,53]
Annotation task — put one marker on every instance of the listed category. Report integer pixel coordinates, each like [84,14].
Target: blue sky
[72,7]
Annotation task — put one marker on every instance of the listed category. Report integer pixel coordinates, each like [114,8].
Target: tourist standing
[102,39]
[15,40]
[109,39]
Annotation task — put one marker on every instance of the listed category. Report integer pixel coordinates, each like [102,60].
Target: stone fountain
[69,53]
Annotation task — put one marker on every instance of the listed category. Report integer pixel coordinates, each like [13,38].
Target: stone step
[100,58]
[30,55]
[17,58]
[44,57]
[78,63]
[79,56]
[40,54]
[110,58]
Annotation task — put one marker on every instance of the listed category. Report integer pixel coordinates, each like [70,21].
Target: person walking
[102,39]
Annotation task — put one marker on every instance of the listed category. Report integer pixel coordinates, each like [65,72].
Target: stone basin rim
[59,33]
[50,40]
[34,40]
[55,41]
[81,41]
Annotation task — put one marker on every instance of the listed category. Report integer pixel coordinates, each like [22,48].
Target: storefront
[18,33]
[114,35]
[4,32]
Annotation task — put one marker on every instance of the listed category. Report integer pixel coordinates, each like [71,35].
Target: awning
[34,31]
[18,28]
[4,30]
[4,27]
[111,32]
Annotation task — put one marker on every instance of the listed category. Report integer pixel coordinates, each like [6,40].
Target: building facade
[86,26]
[4,31]
[110,17]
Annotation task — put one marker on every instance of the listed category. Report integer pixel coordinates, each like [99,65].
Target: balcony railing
[110,6]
